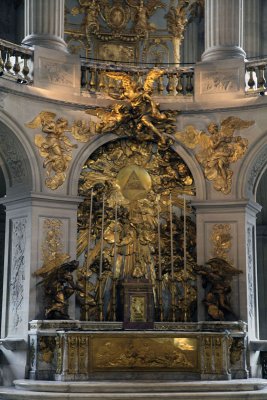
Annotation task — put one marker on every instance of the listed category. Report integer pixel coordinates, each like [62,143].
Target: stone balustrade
[176,81]
[16,62]
[255,76]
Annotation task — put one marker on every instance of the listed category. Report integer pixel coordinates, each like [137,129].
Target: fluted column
[252,27]
[44,24]
[223,30]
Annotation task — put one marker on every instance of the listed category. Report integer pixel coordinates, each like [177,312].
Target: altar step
[253,389]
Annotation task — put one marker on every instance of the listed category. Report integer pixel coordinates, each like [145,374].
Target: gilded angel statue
[218,149]
[55,147]
[141,114]
[143,12]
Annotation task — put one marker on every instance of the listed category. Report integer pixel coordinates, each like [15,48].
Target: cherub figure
[218,149]
[217,276]
[55,147]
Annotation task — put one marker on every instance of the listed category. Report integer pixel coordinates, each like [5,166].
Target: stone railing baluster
[179,86]
[16,62]
[173,82]
[189,84]
[255,81]
[261,78]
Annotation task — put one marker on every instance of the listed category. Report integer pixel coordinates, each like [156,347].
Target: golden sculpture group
[134,223]
[140,116]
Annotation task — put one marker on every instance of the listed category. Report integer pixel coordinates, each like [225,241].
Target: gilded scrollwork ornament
[217,149]
[222,240]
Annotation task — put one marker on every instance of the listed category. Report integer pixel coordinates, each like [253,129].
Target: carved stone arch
[17,158]
[253,166]
[99,141]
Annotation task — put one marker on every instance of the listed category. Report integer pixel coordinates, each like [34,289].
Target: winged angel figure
[143,13]
[218,149]
[55,147]
[140,114]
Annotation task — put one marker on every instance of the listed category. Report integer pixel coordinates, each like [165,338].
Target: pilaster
[239,218]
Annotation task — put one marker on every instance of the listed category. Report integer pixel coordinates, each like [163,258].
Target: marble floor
[125,390]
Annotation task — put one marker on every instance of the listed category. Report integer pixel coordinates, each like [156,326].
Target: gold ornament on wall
[140,115]
[52,247]
[218,149]
[55,147]
[136,179]
[222,240]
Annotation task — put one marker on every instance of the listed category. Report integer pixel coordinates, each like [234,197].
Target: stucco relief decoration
[222,241]
[250,278]
[17,274]
[217,149]
[219,82]
[56,73]
[257,167]
[13,158]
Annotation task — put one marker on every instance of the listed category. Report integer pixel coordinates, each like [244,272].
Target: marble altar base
[77,351]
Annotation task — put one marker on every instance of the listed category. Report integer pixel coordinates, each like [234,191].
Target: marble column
[44,24]
[252,28]
[223,30]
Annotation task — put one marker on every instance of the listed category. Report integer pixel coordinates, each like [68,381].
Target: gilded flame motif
[218,149]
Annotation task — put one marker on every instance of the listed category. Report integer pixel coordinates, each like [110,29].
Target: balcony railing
[16,62]
[256,76]
[176,81]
